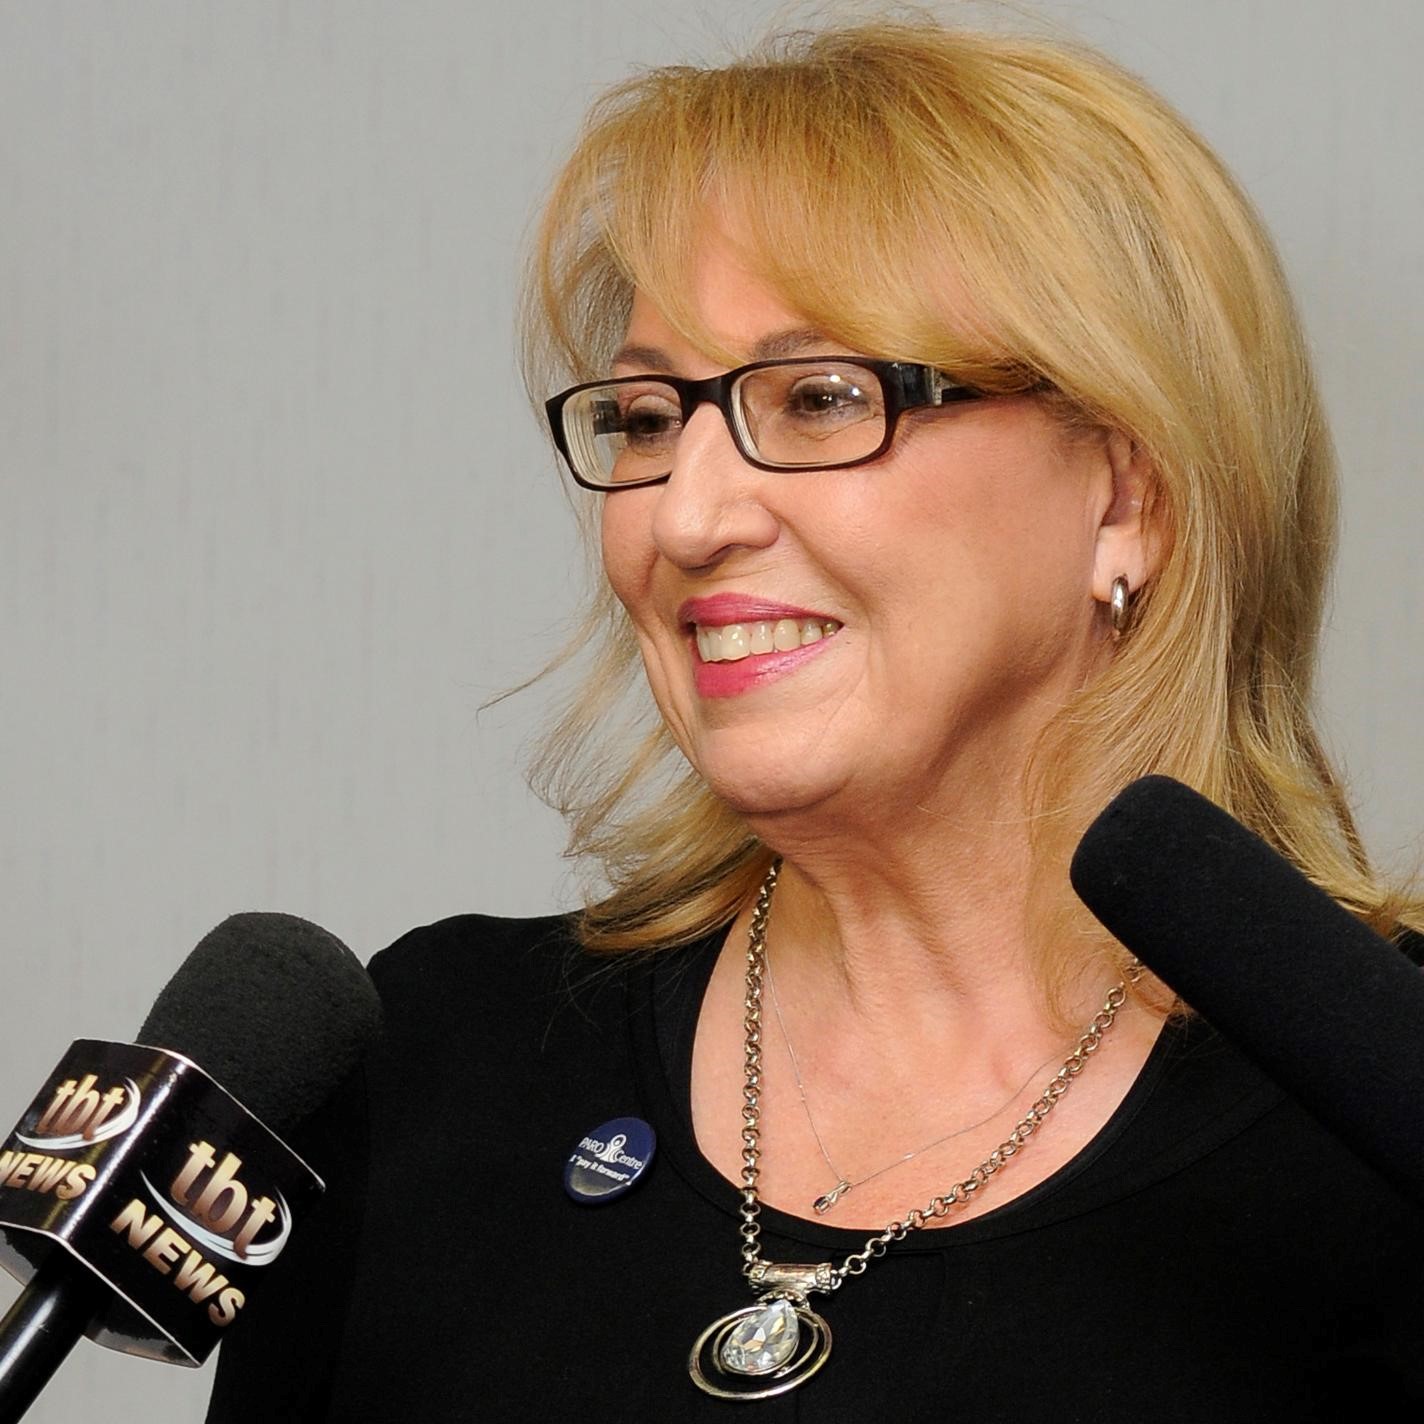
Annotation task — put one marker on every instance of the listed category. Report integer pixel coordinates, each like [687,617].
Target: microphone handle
[42,1327]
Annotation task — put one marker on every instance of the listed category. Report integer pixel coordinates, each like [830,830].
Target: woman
[957,461]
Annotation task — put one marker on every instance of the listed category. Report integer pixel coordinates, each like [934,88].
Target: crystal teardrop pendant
[762,1342]
[760,1350]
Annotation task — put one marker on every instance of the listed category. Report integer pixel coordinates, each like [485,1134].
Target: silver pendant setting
[760,1350]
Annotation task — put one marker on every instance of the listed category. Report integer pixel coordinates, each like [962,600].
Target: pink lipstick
[728,678]
[719,609]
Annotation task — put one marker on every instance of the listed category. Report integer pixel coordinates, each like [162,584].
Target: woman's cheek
[626,548]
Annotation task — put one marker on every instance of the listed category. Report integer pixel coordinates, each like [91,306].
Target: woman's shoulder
[458,940]
[503,971]
[474,953]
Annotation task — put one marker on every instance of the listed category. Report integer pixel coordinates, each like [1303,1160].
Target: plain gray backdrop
[276,518]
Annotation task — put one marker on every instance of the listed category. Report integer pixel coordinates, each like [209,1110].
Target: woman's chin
[770,793]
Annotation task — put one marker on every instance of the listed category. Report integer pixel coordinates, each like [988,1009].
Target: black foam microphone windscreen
[1327,1008]
[274,1008]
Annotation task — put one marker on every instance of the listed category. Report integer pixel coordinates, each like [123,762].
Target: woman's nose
[712,503]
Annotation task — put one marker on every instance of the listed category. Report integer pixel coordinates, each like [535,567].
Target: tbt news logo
[78,1116]
[215,1213]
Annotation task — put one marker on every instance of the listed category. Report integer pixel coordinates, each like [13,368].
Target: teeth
[735,641]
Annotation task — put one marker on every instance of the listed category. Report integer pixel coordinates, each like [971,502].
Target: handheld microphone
[144,1192]
[1329,1010]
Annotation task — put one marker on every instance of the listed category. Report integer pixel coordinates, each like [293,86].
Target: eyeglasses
[798,413]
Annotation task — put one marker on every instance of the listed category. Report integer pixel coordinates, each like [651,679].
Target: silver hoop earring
[1118,606]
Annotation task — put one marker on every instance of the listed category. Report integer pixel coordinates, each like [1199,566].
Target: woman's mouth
[731,642]
[732,658]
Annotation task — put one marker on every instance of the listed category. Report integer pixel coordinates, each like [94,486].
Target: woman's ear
[1128,542]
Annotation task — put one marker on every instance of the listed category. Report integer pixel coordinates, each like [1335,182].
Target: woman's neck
[923,909]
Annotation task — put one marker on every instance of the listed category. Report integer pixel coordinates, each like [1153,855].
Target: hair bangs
[846,221]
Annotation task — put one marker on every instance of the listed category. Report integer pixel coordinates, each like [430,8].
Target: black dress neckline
[666,1002]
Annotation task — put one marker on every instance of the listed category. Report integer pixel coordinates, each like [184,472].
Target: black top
[1211,1256]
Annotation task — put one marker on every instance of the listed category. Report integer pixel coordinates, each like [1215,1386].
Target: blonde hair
[1009,209]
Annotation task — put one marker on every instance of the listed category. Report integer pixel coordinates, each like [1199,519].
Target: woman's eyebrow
[790,342]
[642,358]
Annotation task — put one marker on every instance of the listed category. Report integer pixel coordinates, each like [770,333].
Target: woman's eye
[826,397]
[649,419]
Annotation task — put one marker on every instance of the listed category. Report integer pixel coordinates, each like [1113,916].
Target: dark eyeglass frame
[906,385]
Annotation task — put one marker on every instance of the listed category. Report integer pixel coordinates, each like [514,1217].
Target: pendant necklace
[779,1342]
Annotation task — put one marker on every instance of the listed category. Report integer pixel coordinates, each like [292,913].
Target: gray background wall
[274,519]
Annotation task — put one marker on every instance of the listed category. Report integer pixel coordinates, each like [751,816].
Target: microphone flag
[153,1176]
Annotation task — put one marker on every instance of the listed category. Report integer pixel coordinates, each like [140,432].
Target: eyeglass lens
[818,413]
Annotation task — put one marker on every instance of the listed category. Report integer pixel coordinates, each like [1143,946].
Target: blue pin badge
[609,1160]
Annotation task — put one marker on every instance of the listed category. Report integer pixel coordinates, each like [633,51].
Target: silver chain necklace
[779,1342]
